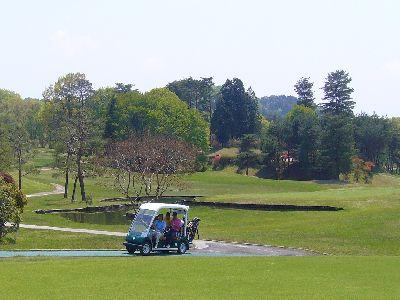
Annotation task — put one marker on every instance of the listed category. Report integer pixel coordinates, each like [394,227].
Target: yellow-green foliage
[161,111]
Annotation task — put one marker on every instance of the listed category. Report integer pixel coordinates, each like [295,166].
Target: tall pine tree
[338,94]
[337,125]
[236,113]
[305,94]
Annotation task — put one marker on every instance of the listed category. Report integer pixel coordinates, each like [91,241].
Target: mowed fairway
[368,225]
[202,278]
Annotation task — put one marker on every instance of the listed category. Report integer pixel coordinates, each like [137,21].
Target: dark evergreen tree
[248,142]
[304,91]
[273,145]
[337,145]
[372,137]
[302,140]
[111,120]
[220,124]
[393,157]
[236,112]
[338,94]
[337,125]
[247,156]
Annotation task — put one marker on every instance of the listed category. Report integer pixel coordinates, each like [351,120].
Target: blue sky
[268,44]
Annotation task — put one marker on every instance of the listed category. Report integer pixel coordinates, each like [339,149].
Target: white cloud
[72,45]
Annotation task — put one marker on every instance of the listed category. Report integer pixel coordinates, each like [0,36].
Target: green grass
[202,278]
[39,239]
[369,224]
[225,184]
[43,158]
[231,152]
[31,185]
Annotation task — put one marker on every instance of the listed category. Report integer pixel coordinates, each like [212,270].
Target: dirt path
[58,189]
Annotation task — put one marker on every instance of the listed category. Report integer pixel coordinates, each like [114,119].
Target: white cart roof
[158,206]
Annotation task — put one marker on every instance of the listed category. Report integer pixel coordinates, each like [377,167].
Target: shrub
[201,163]
[12,202]
[361,170]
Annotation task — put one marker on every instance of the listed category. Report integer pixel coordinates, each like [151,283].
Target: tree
[361,170]
[372,136]
[304,91]
[122,88]
[303,140]
[247,160]
[100,105]
[16,118]
[111,125]
[23,151]
[273,146]
[72,122]
[148,164]
[220,124]
[248,142]
[5,150]
[12,202]
[337,124]
[236,113]
[337,146]
[393,160]
[247,157]
[197,93]
[160,111]
[338,94]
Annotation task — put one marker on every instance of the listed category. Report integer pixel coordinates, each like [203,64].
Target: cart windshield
[142,221]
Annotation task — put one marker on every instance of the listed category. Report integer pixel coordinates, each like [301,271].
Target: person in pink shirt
[176,223]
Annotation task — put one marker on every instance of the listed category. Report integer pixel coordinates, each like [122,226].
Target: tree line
[310,141]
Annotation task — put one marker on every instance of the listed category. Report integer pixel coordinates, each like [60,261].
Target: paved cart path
[199,247]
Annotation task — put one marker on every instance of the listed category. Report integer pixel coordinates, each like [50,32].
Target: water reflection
[103,218]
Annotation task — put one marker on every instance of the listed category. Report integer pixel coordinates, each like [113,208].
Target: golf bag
[193,229]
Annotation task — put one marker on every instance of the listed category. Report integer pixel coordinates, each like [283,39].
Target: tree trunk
[19,170]
[67,176]
[80,177]
[74,190]
[19,178]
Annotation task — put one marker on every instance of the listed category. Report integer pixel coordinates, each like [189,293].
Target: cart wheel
[130,249]
[182,248]
[145,249]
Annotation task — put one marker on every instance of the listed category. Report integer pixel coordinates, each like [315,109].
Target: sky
[267,44]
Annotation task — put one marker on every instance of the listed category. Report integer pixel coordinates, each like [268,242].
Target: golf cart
[141,233]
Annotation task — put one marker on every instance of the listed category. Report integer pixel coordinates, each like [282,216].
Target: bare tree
[148,164]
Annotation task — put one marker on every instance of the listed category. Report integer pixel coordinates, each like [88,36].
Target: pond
[103,218]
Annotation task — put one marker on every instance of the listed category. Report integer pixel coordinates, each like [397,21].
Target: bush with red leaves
[7,177]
